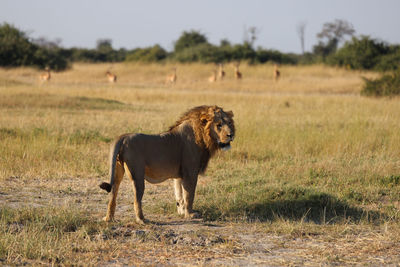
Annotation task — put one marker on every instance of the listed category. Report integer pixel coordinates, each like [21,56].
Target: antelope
[213,77]
[221,72]
[112,78]
[238,74]
[171,78]
[277,73]
[45,76]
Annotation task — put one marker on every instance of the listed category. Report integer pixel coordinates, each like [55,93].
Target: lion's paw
[140,221]
[108,219]
[192,215]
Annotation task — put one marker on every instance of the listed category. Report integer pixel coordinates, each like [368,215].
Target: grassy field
[314,170]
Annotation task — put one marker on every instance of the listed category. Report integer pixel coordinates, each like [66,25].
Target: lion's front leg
[178,196]
[189,189]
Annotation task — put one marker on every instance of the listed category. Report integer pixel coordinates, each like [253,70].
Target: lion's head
[213,127]
[219,128]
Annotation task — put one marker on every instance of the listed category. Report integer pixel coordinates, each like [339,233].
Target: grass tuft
[46,234]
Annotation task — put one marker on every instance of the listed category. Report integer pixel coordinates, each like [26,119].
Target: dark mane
[191,114]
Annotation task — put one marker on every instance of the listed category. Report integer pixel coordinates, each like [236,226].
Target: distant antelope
[171,78]
[112,78]
[277,73]
[221,72]
[213,77]
[238,74]
[45,76]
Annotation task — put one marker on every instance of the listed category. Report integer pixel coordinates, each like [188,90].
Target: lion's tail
[114,151]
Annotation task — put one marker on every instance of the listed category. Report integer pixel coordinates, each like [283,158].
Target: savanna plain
[313,176]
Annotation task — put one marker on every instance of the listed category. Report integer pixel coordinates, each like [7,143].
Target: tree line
[362,52]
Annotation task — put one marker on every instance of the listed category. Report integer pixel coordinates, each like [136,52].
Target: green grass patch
[76,137]
[390,181]
[26,100]
[257,201]
[69,153]
[387,85]
[46,234]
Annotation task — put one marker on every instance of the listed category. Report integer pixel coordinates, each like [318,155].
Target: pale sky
[132,24]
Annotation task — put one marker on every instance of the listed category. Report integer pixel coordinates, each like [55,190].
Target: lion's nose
[229,135]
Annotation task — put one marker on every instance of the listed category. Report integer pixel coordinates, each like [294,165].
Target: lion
[181,153]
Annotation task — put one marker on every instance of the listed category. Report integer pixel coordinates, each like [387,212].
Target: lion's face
[222,128]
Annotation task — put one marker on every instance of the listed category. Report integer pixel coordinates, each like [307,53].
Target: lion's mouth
[224,146]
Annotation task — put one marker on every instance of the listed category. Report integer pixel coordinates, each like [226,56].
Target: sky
[131,23]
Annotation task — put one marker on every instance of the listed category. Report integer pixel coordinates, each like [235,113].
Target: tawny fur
[221,72]
[171,78]
[112,78]
[45,76]
[237,73]
[180,153]
[213,77]
[277,73]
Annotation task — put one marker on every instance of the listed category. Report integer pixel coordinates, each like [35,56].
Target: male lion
[180,153]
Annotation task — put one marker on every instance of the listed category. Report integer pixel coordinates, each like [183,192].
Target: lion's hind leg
[137,177]
[119,174]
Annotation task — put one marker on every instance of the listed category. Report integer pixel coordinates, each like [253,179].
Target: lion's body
[180,153]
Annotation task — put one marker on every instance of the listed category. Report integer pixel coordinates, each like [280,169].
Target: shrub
[51,58]
[390,62]
[362,53]
[205,53]
[387,85]
[17,50]
[263,56]
[243,52]
[150,54]
[189,39]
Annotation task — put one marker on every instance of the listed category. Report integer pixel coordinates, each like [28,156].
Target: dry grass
[312,162]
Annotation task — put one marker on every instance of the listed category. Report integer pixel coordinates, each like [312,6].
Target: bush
[150,54]
[263,56]
[387,85]
[51,58]
[243,52]
[17,50]
[390,62]
[189,40]
[205,53]
[363,53]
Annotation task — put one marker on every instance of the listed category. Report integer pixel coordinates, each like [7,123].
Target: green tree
[243,52]
[189,39]
[104,45]
[15,48]
[331,35]
[151,54]
[360,53]
[323,50]
[338,30]
[205,53]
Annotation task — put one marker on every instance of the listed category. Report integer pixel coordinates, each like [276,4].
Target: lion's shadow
[318,208]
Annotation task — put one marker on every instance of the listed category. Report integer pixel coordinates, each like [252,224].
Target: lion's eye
[219,125]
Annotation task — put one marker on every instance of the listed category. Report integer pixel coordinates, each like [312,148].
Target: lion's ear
[229,113]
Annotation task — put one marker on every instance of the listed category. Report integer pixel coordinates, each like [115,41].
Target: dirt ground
[171,240]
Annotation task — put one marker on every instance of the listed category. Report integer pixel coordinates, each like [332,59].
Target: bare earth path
[171,240]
